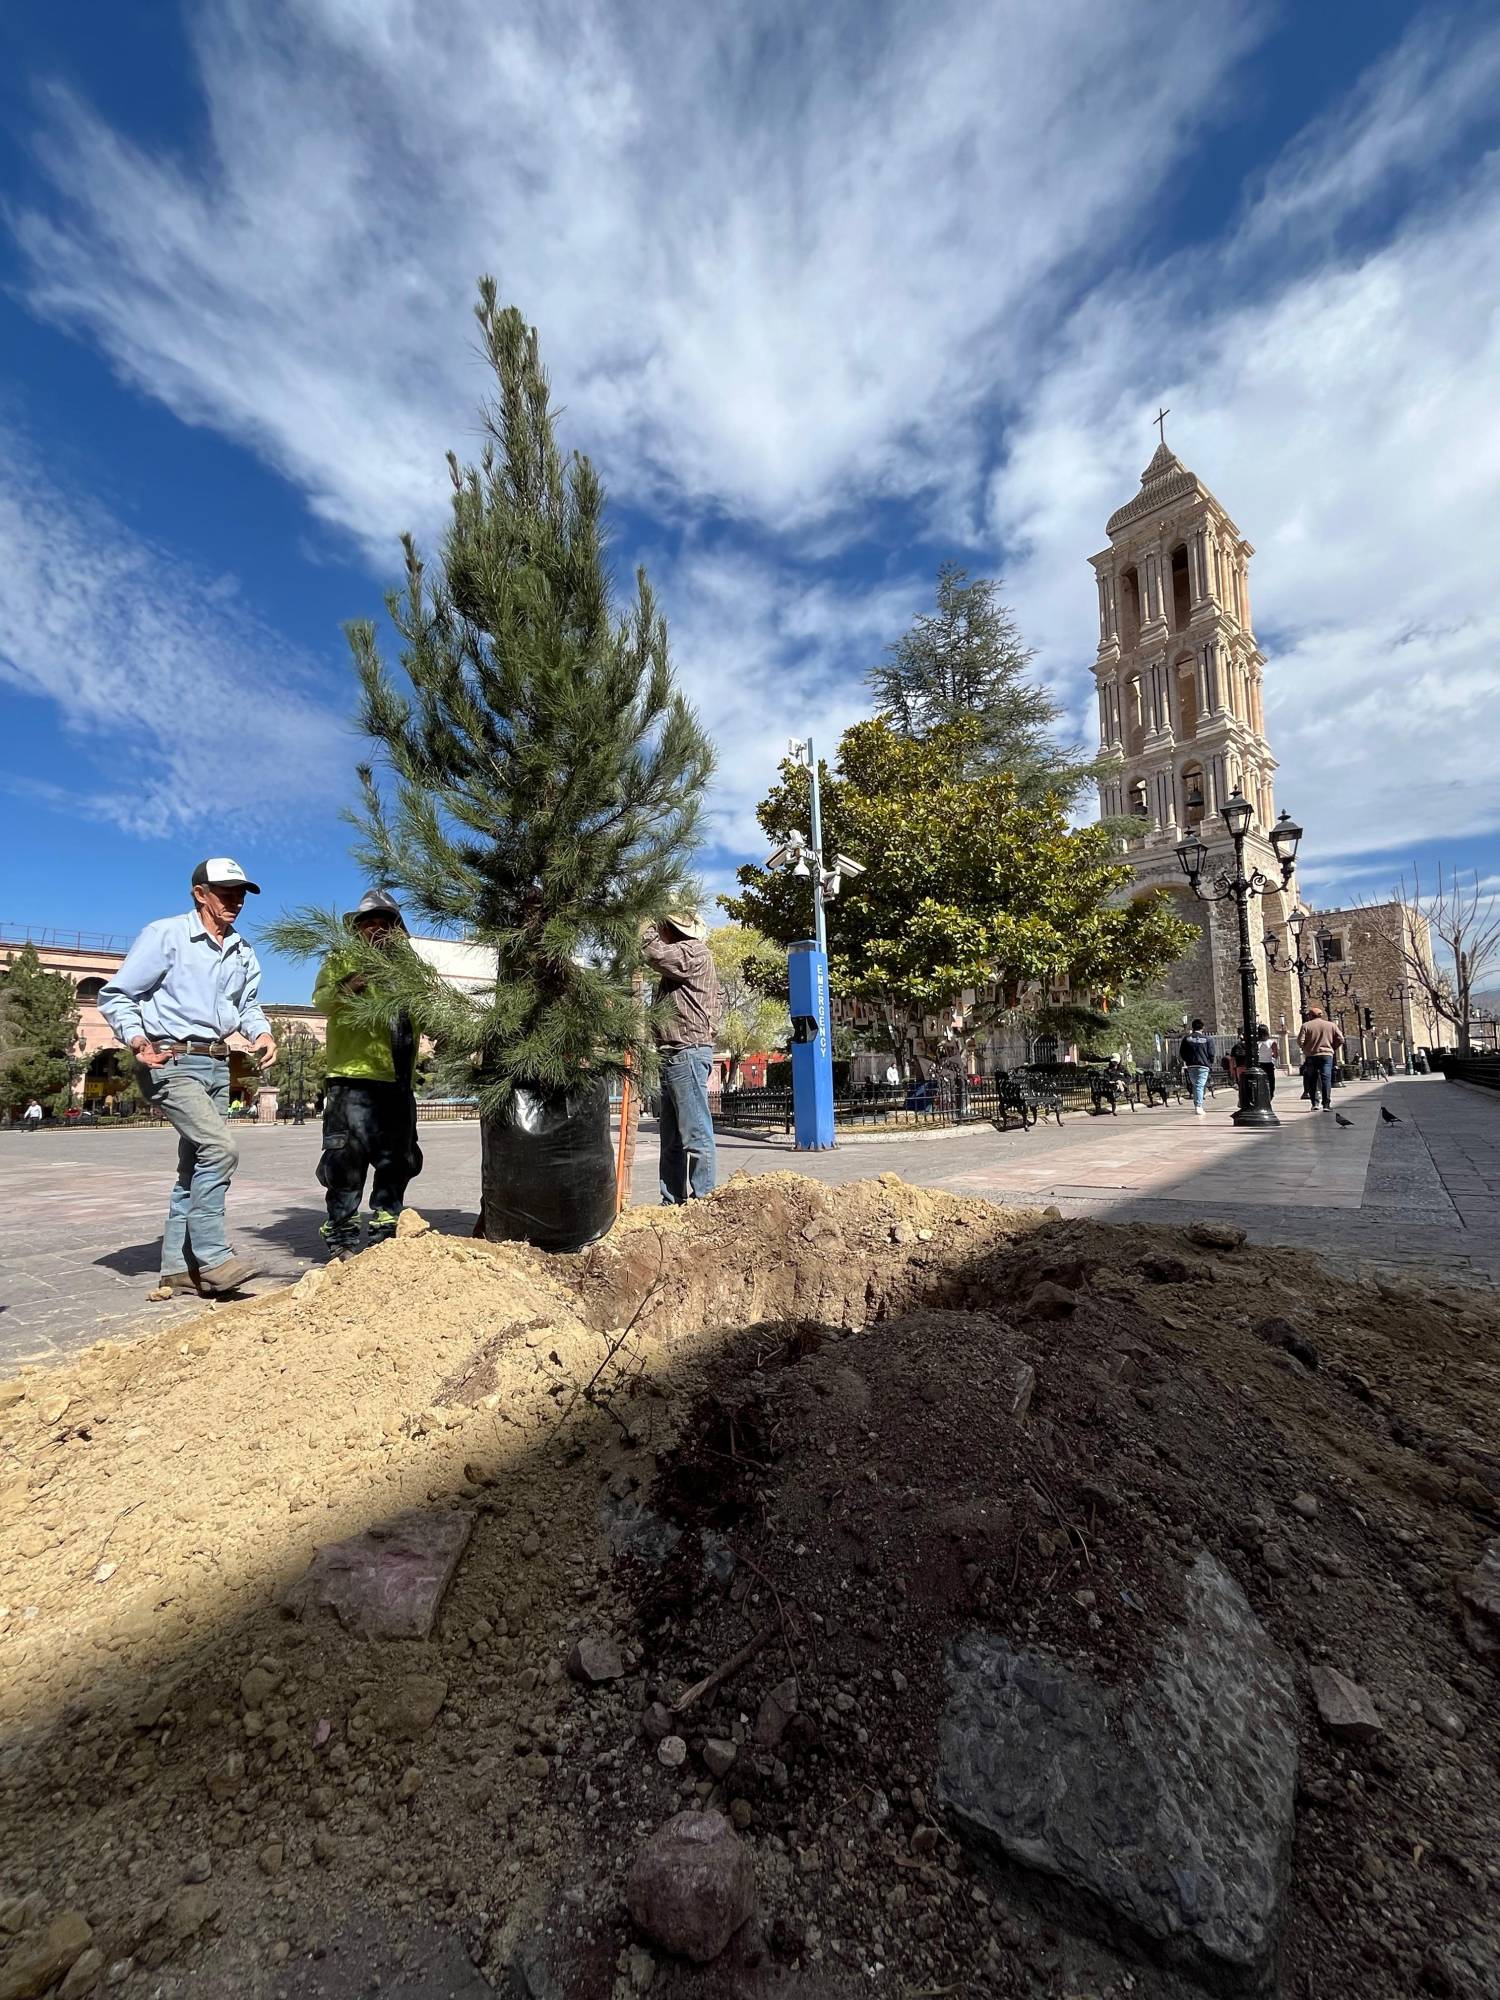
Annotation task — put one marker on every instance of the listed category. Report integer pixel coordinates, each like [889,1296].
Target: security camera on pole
[807,972]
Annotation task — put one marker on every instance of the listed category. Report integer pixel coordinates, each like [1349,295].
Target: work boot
[340,1244]
[172,1284]
[228,1276]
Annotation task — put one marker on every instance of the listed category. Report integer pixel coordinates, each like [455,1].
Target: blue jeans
[192,1092]
[686,1127]
[1322,1079]
[1197,1074]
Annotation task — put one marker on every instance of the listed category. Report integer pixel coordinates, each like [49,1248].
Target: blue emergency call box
[812,1047]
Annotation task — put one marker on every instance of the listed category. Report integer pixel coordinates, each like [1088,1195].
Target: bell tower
[1179,679]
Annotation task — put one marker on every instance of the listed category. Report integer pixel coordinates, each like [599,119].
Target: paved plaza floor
[81,1211]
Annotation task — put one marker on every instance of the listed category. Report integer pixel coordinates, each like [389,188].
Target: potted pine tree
[536,790]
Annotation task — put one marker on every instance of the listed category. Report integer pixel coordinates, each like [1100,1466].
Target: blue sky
[829,295]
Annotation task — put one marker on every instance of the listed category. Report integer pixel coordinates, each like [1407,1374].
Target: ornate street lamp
[1296,963]
[1237,814]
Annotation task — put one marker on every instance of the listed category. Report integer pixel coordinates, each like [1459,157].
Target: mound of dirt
[819,1433]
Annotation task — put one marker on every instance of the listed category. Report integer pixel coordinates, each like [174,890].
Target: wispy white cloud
[780,256]
[187,712]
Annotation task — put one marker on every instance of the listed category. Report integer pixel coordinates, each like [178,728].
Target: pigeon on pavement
[1389,1117]
[1340,1119]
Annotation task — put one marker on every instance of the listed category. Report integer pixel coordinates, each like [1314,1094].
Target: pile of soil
[829,1429]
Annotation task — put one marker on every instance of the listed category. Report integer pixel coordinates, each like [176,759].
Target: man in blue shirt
[186,983]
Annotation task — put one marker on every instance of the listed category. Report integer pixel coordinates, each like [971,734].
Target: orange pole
[623,1156]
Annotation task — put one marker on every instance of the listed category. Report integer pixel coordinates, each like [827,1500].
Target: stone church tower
[1180,709]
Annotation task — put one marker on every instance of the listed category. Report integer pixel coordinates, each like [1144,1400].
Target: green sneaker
[382,1225]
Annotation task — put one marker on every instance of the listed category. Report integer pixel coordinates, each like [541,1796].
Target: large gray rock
[388,1582]
[692,1885]
[1164,1816]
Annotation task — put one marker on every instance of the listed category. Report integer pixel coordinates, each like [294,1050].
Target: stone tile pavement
[81,1211]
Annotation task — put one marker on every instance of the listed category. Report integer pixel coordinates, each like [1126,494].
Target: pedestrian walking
[31,1117]
[686,1021]
[370,1105]
[1196,1054]
[1268,1054]
[1320,1042]
[186,983]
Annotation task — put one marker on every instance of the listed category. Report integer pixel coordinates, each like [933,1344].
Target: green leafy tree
[966,662]
[301,1059]
[1127,1028]
[39,1042]
[541,775]
[969,884]
[749,966]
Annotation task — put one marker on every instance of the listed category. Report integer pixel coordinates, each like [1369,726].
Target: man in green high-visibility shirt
[370,1109]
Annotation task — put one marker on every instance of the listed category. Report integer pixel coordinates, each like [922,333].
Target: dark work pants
[368,1128]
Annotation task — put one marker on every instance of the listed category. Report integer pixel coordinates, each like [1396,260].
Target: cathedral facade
[1182,720]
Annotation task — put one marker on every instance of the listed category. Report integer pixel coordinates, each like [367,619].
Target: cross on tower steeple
[1160,420]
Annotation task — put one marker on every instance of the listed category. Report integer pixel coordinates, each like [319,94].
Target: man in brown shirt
[1320,1042]
[688,1005]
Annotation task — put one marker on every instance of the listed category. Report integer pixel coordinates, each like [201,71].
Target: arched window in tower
[1130,607]
[1138,806]
[1194,798]
[1134,716]
[1186,671]
[1182,595]
[88,991]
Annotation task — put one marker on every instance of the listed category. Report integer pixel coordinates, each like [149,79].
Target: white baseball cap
[219,872]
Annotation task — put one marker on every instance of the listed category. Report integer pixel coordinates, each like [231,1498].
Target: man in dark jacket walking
[688,1005]
[1196,1054]
[370,1106]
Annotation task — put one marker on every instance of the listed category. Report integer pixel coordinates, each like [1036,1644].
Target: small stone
[43,1960]
[692,1886]
[924,1840]
[84,1976]
[1445,1718]
[1276,1559]
[640,1969]
[270,1858]
[1099,1498]
[899,1681]
[257,1687]
[536,1766]
[199,1868]
[1049,1301]
[53,1409]
[280,1952]
[1216,1235]
[1022,1389]
[1330,1562]
[119,1971]
[410,1784]
[1306,1505]
[189,1910]
[595,1658]
[325,1849]
[903,1232]
[410,1223]
[672,1751]
[775,1712]
[658,1721]
[718,1755]
[410,1708]
[742,1813]
[1344,1707]
[531,1544]
[226,1778]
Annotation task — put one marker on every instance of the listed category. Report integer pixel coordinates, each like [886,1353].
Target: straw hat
[686,923]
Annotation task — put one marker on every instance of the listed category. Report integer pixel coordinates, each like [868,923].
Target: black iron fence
[1017,1096]
[1481,1069]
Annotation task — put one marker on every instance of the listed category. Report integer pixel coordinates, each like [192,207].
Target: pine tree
[544,775]
[38,1032]
[966,661]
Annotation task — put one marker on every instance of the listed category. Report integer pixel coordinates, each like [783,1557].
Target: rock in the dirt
[1444,1717]
[692,1886]
[44,1959]
[388,1582]
[409,1709]
[189,1910]
[672,1751]
[84,1976]
[1281,1333]
[199,1868]
[1305,1505]
[1344,1707]
[657,1722]
[1050,1301]
[1215,1235]
[595,1658]
[775,1712]
[1170,1809]
[1479,1606]
[718,1755]
[410,1223]
[1022,1389]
